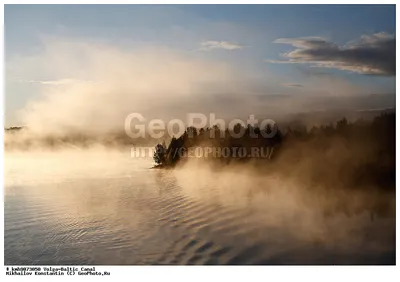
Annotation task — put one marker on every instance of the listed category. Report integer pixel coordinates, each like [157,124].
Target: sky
[70,64]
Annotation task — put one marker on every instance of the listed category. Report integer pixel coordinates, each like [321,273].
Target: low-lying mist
[316,215]
[320,214]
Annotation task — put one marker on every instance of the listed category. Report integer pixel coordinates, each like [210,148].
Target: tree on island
[160,154]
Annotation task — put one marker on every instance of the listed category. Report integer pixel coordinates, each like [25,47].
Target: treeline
[235,140]
[346,154]
[13,128]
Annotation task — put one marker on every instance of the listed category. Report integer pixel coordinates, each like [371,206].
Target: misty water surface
[103,207]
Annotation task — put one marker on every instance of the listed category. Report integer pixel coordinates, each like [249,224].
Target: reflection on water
[91,208]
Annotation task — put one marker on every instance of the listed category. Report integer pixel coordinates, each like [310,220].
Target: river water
[104,207]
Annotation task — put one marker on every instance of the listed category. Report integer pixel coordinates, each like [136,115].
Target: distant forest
[346,154]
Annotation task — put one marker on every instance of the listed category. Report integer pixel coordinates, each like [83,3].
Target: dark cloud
[293,85]
[308,71]
[371,54]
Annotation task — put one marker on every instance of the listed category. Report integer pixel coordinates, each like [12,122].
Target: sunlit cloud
[224,45]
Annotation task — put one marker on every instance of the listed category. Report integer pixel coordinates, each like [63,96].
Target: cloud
[371,54]
[224,45]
